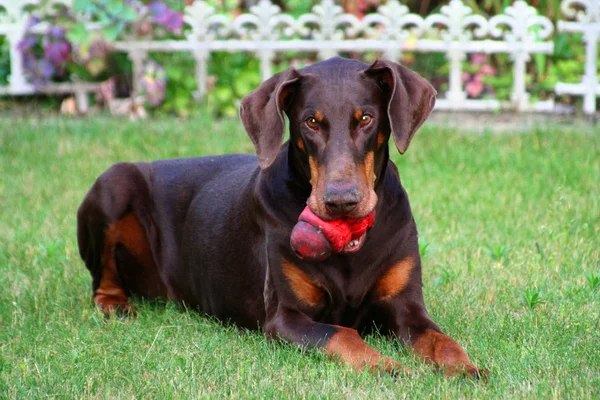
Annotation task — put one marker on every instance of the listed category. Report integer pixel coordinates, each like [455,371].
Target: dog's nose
[341,198]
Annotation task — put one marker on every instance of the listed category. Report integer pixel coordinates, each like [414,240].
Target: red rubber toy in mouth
[314,239]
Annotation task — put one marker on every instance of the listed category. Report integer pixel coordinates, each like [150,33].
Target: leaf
[562,48]
[114,7]
[78,34]
[112,32]
[129,14]
[84,6]
[540,63]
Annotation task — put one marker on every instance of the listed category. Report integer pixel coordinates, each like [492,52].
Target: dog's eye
[365,120]
[312,123]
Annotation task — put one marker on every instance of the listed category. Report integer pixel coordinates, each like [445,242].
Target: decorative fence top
[589,14]
[392,30]
[392,22]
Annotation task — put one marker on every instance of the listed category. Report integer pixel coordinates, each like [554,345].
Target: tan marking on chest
[302,285]
[395,279]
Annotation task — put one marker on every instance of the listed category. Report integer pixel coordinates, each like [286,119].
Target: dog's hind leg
[112,232]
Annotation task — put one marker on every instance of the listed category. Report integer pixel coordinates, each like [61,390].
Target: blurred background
[174,57]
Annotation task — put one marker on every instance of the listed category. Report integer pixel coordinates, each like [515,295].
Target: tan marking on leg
[305,289]
[129,232]
[347,346]
[110,295]
[395,279]
[442,350]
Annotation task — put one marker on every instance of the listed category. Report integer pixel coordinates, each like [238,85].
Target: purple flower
[57,52]
[173,21]
[163,15]
[31,23]
[157,8]
[38,72]
[29,64]
[46,69]
[56,32]
[27,43]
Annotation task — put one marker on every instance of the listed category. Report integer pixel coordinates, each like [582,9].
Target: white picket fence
[588,23]
[456,32]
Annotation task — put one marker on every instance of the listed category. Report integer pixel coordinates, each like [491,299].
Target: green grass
[509,228]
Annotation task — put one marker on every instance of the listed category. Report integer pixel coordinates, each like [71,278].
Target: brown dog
[214,232]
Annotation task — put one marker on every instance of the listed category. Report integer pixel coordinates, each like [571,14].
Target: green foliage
[502,84]
[4,60]
[532,297]
[423,247]
[445,275]
[593,280]
[235,76]
[548,8]
[181,83]
[113,16]
[498,252]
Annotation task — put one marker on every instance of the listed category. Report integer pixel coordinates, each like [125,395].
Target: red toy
[314,239]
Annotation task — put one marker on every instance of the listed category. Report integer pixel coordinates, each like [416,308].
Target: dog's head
[341,115]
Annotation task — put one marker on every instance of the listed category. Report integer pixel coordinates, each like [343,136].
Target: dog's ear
[261,114]
[411,99]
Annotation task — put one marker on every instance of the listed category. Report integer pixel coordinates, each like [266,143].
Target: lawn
[510,232]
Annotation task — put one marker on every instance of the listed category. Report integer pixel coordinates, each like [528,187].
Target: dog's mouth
[315,239]
[355,244]
[322,213]
[357,241]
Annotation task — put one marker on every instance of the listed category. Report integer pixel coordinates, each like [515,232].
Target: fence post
[266,60]
[13,25]
[201,73]
[590,80]
[588,23]
[137,58]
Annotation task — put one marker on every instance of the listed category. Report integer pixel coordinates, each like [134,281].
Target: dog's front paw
[392,367]
[480,374]
[466,371]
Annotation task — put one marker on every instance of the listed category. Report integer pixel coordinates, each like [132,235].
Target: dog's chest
[348,288]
